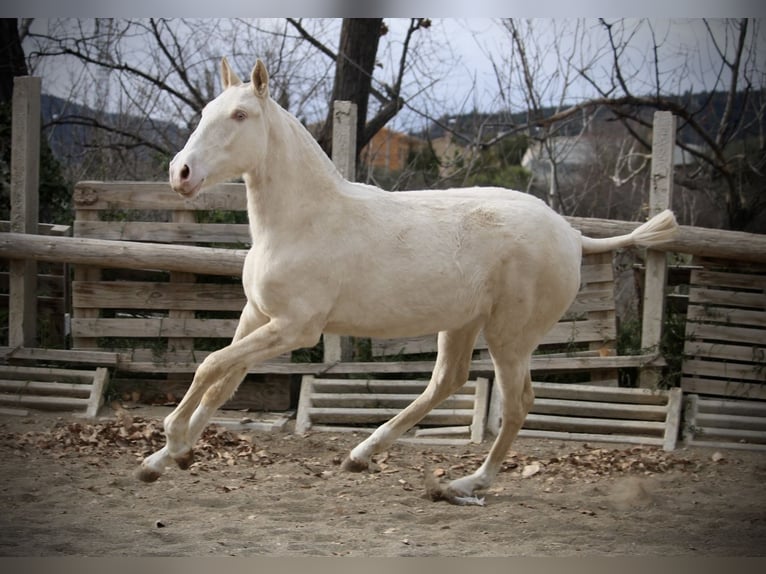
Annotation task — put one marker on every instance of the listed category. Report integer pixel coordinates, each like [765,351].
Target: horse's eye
[239,115]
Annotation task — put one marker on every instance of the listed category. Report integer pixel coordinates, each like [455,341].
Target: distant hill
[74,130]
[711,107]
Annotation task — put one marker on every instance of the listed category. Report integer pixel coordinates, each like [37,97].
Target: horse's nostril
[185,172]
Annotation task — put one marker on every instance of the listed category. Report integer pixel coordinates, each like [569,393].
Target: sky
[465,61]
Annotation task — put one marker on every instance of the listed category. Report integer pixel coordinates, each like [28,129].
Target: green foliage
[671,348]
[500,165]
[55,193]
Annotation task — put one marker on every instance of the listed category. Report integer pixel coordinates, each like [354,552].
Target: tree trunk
[12,61]
[359,39]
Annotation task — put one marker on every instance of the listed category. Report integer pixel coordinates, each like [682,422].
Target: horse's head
[230,139]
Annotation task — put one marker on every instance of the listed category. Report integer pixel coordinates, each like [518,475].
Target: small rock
[717,457]
[530,470]
[159,524]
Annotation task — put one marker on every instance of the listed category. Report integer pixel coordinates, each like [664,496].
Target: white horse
[338,257]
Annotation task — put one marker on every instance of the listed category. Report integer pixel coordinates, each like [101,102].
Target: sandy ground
[68,489]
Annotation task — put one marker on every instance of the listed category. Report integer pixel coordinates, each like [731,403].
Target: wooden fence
[182,297]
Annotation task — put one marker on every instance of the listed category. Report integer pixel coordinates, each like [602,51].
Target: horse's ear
[260,79]
[228,77]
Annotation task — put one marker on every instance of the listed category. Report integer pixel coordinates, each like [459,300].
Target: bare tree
[150,78]
[722,118]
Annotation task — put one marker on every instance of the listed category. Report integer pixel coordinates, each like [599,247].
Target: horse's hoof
[352,465]
[185,460]
[146,474]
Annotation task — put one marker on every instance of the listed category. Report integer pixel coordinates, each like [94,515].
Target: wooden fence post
[655,278]
[344,157]
[25,179]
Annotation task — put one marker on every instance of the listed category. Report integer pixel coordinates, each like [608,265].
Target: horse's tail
[659,229]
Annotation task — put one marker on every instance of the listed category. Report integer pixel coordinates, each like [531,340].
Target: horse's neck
[297,180]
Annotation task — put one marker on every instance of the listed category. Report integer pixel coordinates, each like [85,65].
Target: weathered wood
[592,425]
[98,387]
[589,408]
[725,423]
[340,415]
[150,195]
[45,373]
[335,347]
[302,417]
[692,240]
[724,388]
[600,394]
[480,409]
[157,296]
[592,437]
[656,266]
[725,346]
[44,403]
[123,254]
[673,420]
[27,387]
[331,403]
[157,327]
[162,232]
[25,177]
[599,413]
[387,400]
[70,356]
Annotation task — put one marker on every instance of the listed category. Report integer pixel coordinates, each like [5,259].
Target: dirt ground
[68,489]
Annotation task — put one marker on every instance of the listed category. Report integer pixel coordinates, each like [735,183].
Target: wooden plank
[727,421]
[592,425]
[157,327]
[36,402]
[480,408]
[165,232]
[24,200]
[591,272]
[563,333]
[9,411]
[385,400]
[723,388]
[741,353]
[83,273]
[601,394]
[723,333]
[721,279]
[730,298]
[142,195]
[123,254]
[96,398]
[705,314]
[28,387]
[377,415]
[72,356]
[589,408]
[45,373]
[737,408]
[728,371]
[656,265]
[445,431]
[673,419]
[157,296]
[591,437]
[413,387]
[303,418]
[732,435]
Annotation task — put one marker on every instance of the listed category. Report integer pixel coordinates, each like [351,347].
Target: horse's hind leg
[450,373]
[187,420]
[514,380]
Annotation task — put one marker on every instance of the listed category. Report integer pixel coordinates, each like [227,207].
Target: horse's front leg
[178,429]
